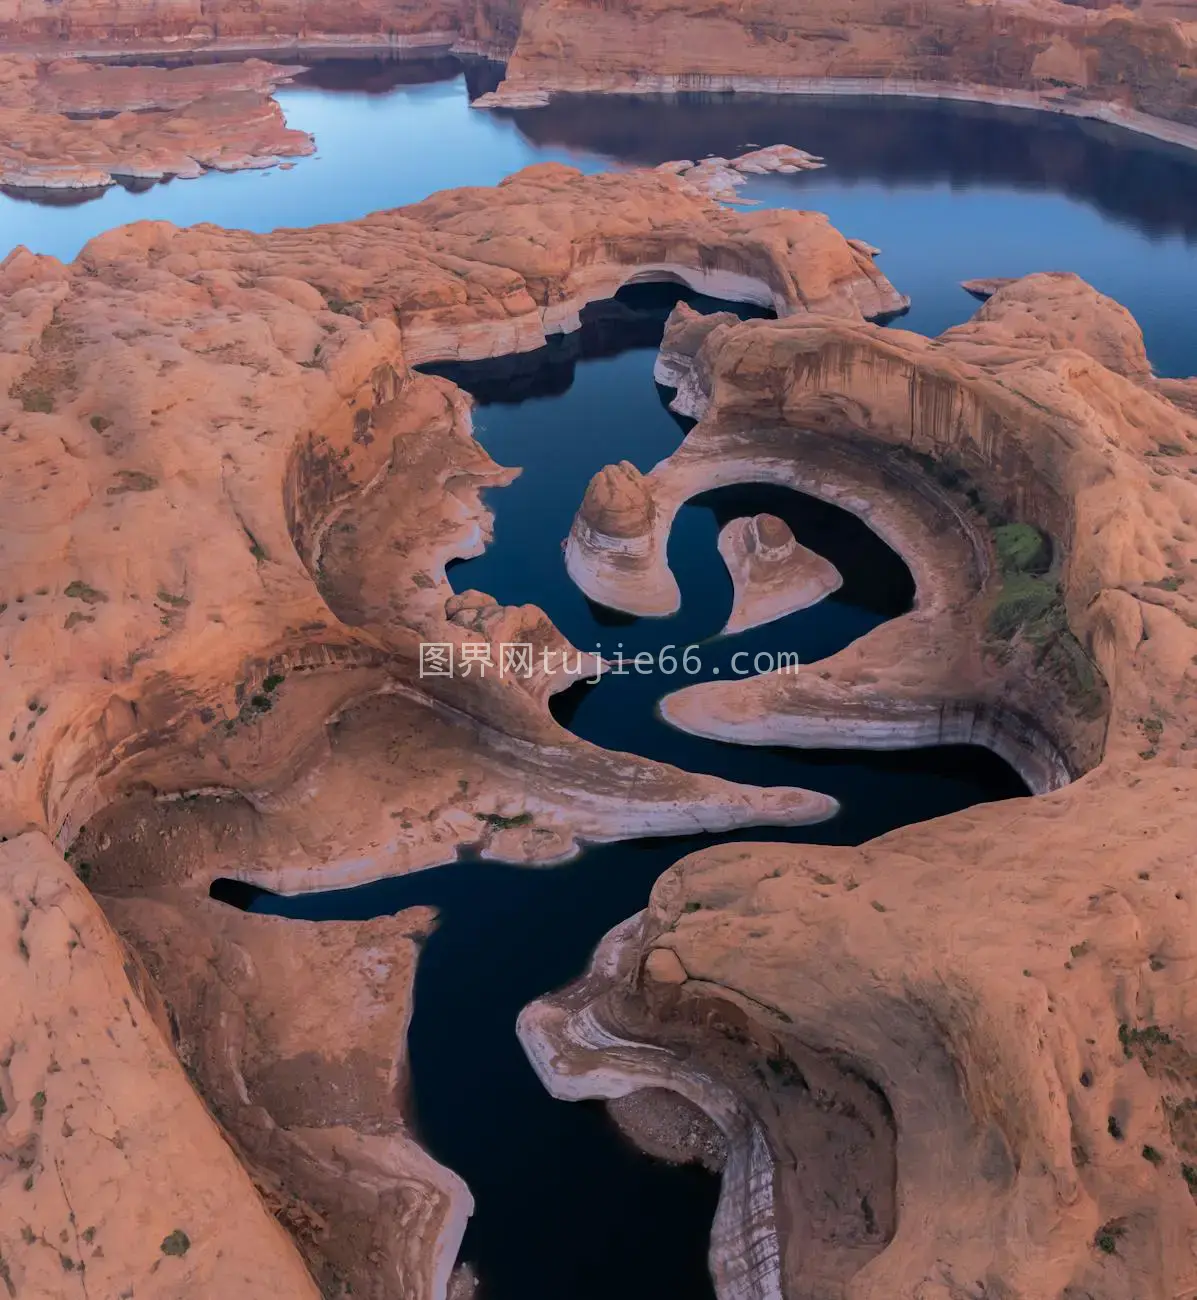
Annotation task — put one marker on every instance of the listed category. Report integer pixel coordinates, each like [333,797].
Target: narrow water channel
[565,1206]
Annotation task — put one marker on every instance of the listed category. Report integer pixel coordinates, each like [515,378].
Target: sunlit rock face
[230,501]
[772,575]
[1009,982]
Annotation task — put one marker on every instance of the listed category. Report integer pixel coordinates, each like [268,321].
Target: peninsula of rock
[66,124]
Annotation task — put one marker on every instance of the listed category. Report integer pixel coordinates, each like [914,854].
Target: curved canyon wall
[1092,59]
[1010,983]
[239,694]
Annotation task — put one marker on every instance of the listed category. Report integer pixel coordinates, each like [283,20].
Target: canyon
[1129,65]
[1026,1023]
[949,1062]
[250,685]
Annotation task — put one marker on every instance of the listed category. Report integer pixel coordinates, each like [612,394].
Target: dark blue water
[948,191]
[565,1206]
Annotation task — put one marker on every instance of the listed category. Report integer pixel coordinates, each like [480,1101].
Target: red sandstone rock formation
[229,503]
[772,575]
[138,123]
[1013,979]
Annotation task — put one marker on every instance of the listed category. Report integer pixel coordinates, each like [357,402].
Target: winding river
[566,1207]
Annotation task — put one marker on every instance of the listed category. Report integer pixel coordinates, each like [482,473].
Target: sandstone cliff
[1093,58]
[66,124]
[1063,53]
[1009,984]
[229,503]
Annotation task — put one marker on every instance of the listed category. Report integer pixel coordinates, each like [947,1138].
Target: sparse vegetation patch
[176,1243]
[499,822]
[80,590]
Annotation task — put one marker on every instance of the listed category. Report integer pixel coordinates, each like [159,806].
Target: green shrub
[502,823]
[176,1243]
[1147,1038]
[79,590]
[1107,1236]
[1022,548]
[1030,605]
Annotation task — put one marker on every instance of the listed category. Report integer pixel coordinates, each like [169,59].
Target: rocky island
[70,125]
[772,575]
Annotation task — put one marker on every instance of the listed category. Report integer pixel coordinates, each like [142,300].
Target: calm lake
[565,1206]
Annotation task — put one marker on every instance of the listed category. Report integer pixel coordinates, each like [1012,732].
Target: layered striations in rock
[1096,61]
[772,575]
[969,1044]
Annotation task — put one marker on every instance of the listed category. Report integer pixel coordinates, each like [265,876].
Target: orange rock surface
[113,1175]
[72,125]
[229,503]
[1014,979]
[772,575]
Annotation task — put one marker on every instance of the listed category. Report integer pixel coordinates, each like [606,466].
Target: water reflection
[949,191]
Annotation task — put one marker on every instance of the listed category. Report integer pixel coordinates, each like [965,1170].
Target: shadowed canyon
[578,725]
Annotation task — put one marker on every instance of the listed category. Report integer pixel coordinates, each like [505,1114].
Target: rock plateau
[70,125]
[243,699]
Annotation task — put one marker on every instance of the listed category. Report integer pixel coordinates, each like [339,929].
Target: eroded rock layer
[1009,984]
[66,124]
[229,504]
